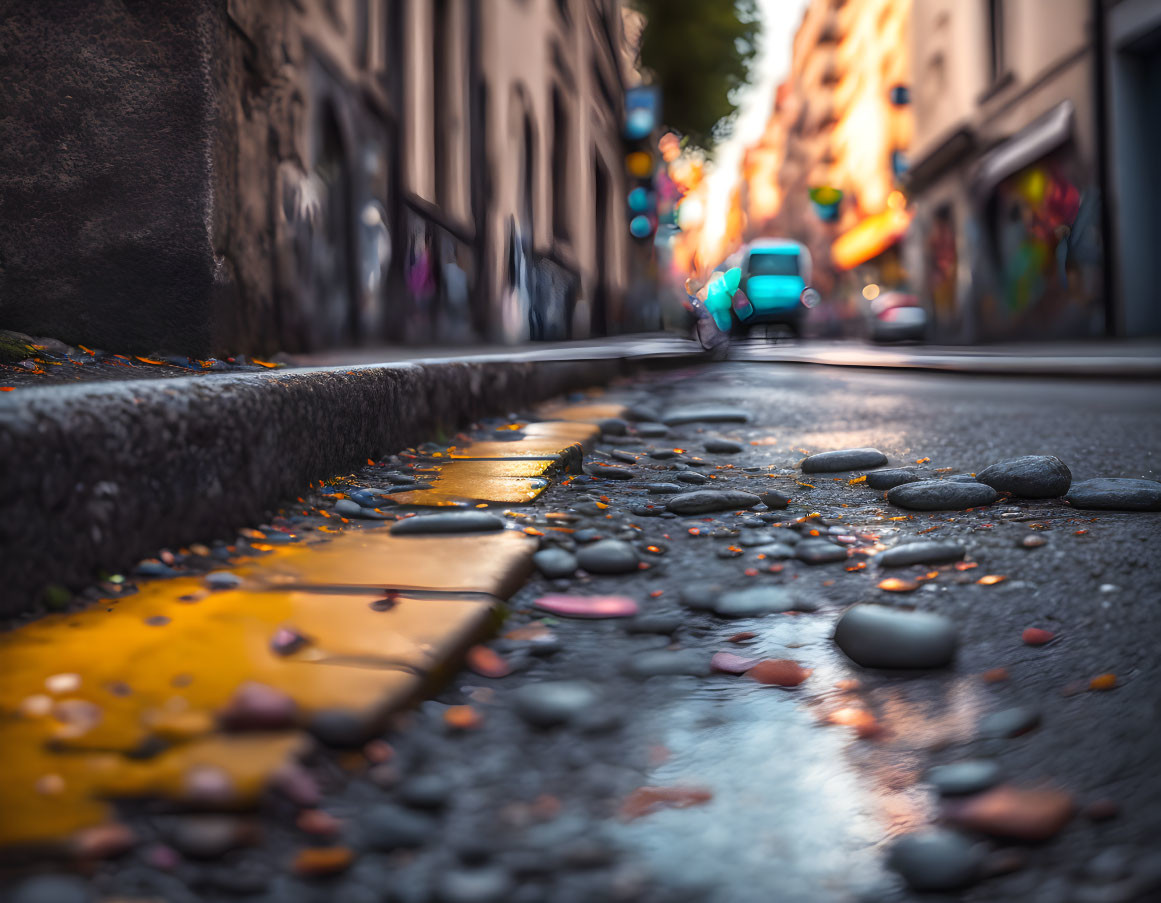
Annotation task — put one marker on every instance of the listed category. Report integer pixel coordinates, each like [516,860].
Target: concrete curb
[101,475]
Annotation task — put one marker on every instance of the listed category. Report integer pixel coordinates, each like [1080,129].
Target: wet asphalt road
[800,809]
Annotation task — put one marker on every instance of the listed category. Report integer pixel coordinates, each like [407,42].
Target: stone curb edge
[106,473]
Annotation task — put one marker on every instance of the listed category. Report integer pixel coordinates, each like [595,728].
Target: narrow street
[596,749]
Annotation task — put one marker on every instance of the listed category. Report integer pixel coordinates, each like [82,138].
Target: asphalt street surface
[754,791]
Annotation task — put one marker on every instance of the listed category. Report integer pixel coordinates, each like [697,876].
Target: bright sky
[780,20]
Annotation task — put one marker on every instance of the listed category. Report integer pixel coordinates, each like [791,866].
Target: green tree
[699,52]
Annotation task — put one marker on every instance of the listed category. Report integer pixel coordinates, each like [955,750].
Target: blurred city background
[258,176]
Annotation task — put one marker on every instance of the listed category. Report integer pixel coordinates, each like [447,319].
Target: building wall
[1020,256]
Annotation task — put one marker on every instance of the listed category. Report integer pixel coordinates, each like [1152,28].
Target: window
[770,264]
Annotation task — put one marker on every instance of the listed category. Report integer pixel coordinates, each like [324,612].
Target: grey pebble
[1008,723]
[843,459]
[706,501]
[663,662]
[385,827]
[1116,494]
[553,563]
[759,600]
[705,414]
[877,636]
[447,522]
[819,551]
[651,430]
[935,859]
[773,499]
[920,553]
[961,778]
[941,495]
[696,479]
[1028,477]
[889,479]
[608,556]
[550,703]
[718,446]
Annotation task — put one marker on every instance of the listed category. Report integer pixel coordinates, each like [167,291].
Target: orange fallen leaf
[965,565]
[322,860]
[991,579]
[922,460]
[995,675]
[7,388]
[898,585]
[864,723]
[267,364]
[462,718]
[1036,636]
[148,360]
[861,479]
[1103,682]
[1015,813]
[647,800]
[487,662]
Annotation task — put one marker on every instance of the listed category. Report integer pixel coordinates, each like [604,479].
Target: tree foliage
[699,52]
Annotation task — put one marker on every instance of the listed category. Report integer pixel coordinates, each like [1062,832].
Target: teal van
[774,289]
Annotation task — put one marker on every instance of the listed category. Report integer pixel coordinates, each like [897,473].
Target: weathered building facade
[253,175]
[1035,204]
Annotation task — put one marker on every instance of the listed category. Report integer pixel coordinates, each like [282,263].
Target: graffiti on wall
[941,262]
[1047,243]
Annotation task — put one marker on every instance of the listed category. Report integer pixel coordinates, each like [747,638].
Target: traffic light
[642,106]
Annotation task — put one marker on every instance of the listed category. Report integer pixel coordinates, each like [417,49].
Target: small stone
[941,495]
[687,476]
[1028,477]
[889,479]
[1102,810]
[962,778]
[704,414]
[700,596]
[1014,813]
[1009,723]
[650,510]
[707,501]
[608,471]
[656,623]
[1116,494]
[877,636]
[775,550]
[218,580]
[843,459]
[662,454]
[447,522]
[719,446]
[210,836]
[339,728]
[384,827]
[819,551]
[609,556]
[920,553]
[1033,541]
[367,498]
[757,601]
[349,508]
[152,568]
[731,663]
[613,426]
[649,430]
[623,456]
[490,884]
[429,791]
[551,703]
[663,662]
[779,673]
[936,860]
[664,488]
[287,641]
[53,889]
[773,499]
[318,862]
[258,707]
[554,563]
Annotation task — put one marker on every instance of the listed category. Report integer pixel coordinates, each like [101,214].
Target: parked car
[774,289]
[896,317]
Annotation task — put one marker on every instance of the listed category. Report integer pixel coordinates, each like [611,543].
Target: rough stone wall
[108,111]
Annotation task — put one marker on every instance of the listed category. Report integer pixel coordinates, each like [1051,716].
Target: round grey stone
[758,600]
[479,885]
[920,553]
[819,551]
[447,522]
[608,472]
[553,563]
[941,495]
[650,430]
[773,499]
[1028,477]
[339,728]
[426,791]
[349,508]
[613,426]
[1116,494]
[877,636]
[700,596]
[707,501]
[775,550]
[843,459]
[385,827]
[961,778]
[705,414]
[663,662]
[608,556]
[889,479]
[658,623]
[53,889]
[696,479]
[664,488]
[936,860]
[717,446]
[1009,723]
[551,703]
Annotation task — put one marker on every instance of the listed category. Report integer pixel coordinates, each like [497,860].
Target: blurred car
[774,289]
[896,317]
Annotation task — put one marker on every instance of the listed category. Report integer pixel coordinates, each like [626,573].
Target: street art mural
[1048,256]
[940,262]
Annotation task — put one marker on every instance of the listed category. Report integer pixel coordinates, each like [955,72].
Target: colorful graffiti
[941,262]
[1048,253]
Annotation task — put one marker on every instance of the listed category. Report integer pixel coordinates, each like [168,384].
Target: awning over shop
[1028,145]
[870,238]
